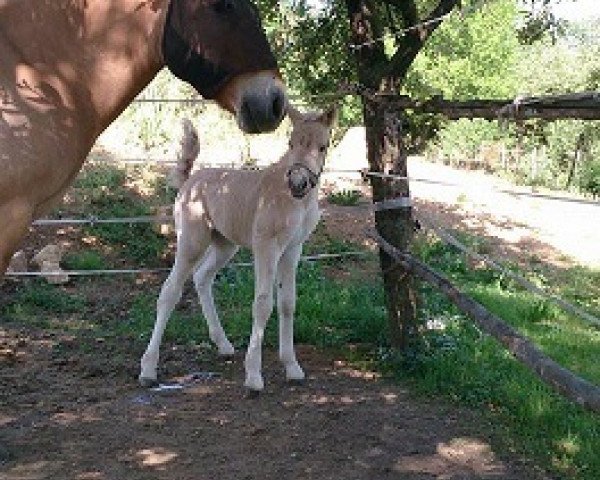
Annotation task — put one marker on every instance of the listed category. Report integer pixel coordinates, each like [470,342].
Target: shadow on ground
[71,410]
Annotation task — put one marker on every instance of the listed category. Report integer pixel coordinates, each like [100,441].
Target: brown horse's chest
[42,138]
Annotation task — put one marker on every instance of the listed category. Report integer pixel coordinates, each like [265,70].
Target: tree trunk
[377,73]
[393,218]
[575,159]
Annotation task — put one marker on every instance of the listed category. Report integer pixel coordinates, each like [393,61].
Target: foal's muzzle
[301,180]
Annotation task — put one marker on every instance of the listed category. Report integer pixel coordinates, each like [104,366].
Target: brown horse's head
[219,47]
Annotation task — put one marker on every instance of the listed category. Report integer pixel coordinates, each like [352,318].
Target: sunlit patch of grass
[477,371]
[116,191]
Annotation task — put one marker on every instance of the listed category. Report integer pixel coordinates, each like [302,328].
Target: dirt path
[518,223]
[556,228]
[67,415]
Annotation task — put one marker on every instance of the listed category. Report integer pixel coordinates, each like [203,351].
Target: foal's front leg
[286,306]
[265,263]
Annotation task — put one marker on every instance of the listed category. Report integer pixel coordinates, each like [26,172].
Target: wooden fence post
[393,219]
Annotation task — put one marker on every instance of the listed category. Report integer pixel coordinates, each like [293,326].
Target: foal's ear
[295,115]
[329,117]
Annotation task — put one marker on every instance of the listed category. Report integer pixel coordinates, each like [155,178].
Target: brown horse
[69,67]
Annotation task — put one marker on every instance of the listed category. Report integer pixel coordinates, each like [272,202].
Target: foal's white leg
[170,294]
[286,305]
[265,263]
[192,239]
[216,257]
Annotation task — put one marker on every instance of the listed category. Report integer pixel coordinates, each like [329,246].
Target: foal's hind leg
[216,257]
[15,218]
[189,251]
[286,305]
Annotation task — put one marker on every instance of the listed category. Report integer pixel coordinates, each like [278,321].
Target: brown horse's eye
[322,149]
[224,6]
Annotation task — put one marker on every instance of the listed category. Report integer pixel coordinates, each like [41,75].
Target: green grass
[109,191]
[38,295]
[345,198]
[471,368]
[329,314]
[85,260]
[39,303]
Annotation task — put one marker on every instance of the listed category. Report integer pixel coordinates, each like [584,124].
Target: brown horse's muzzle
[260,109]
[219,47]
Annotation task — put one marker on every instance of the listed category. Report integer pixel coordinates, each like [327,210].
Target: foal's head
[220,48]
[310,137]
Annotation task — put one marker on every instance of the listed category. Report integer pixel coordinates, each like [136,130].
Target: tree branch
[414,40]
[407,9]
[366,32]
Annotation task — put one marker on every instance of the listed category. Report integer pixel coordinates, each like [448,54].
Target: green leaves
[470,57]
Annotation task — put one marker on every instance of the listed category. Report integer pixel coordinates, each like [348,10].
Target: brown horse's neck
[130,52]
[93,56]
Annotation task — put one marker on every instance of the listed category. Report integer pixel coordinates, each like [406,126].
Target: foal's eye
[224,6]
[322,149]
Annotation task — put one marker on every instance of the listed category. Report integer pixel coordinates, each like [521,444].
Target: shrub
[346,198]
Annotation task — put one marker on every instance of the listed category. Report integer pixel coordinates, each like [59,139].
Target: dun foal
[272,211]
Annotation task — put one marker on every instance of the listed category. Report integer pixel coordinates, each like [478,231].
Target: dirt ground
[67,415]
[70,407]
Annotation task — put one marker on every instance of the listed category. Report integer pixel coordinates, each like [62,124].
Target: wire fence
[443,234]
[562,380]
[497,265]
[140,271]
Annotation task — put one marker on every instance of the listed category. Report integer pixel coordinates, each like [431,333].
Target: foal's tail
[188,151]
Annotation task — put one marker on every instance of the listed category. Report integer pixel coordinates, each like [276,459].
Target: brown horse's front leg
[15,218]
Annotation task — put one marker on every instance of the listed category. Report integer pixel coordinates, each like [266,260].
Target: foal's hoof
[251,394]
[254,383]
[295,382]
[226,356]
[226,351]
[294,374]
[146,382]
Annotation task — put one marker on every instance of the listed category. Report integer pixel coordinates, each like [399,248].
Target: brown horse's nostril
[278,105]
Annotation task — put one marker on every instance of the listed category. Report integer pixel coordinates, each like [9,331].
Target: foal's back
[242,204]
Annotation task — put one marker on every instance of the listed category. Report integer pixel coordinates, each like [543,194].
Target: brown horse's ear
[295,116]
[329,117]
